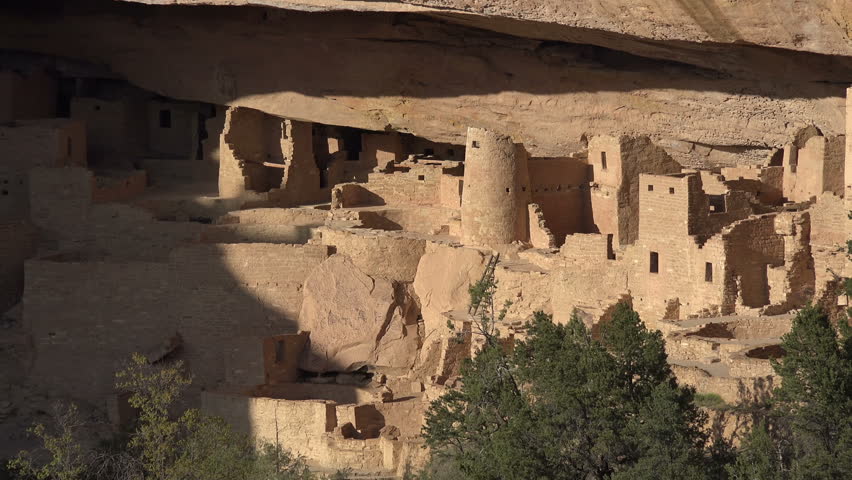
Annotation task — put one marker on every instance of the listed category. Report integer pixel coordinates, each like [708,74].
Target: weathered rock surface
[442,282]
[699,77]
[354,320]
[821,26]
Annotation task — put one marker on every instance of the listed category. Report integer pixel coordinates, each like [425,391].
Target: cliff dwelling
[293,199]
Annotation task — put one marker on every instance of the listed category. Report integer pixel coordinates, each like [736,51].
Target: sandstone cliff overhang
[712,82]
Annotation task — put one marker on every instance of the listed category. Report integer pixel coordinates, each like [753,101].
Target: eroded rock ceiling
[712,82]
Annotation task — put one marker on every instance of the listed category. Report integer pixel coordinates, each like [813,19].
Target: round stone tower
[494,185]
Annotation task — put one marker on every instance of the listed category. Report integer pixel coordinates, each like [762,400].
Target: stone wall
[209,294]
[116,129]
[816,167]
[616,163]
[559,186]
[119,189]
[60,199]
[173,129]
[378,150]
[305,427]
[34,143]
[79,347]
[227,290]
[829,220]
[17,243]
[26,96]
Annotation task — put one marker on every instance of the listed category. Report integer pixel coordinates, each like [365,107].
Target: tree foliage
[809,432]
[164,444]
[564,405]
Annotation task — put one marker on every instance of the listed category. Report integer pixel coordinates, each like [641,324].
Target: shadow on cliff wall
[218,54]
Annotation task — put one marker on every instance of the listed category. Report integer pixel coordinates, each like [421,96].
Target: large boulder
[443,277]
[355,320]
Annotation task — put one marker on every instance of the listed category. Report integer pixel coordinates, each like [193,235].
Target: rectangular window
[422,178]
[165,119]
[603,160]
[708,272]
[279,351]
[655,262]
[650,188]
[671,190]
[68,147]
[474,144]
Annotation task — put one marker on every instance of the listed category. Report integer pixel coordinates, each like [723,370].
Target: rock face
[820,26]
[355,320]
[699,77]
[443,279]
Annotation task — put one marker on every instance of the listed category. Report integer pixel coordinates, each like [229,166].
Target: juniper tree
[808,434]
[564,405]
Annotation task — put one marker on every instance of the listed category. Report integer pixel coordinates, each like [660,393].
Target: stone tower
[495,192]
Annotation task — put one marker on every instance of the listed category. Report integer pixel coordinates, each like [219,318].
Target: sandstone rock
[721,22]
[385,394]
[724,95]
[390,431]
[354,320]
[443,277]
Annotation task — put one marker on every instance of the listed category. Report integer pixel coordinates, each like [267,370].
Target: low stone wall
[311,428]
[732,390]
[109,189]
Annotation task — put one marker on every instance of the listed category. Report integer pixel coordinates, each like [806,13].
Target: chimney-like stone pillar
[493,184]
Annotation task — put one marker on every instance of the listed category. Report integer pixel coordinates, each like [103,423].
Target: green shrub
[711,400]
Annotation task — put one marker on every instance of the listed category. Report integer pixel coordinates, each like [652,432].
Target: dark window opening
[708,272]
[655,262]
[428,151]
[474,144]
[165,119]
[323,177]
[279,351]
[351,143]
[422,178]
[523,189]
[202,135]
[97,108]
[68,147]
[650,188]
[5,192]
[717,203]
[671,190]
[603,160]
[508,190]
[610,252]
